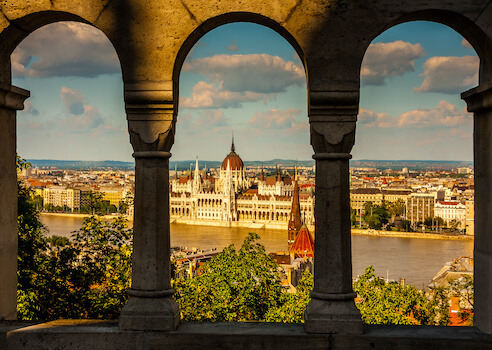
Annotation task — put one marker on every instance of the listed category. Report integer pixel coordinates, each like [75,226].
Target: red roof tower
[295,221]
[303,245]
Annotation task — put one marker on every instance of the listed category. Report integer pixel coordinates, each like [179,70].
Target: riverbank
[269,225]
[82,216]
[278,226]
[399,234]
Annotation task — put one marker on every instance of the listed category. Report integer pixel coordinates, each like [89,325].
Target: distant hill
[396,165]
[82,164]
[185,164]
[181,164]
[419,165]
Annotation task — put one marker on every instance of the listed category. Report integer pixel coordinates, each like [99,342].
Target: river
[415,259]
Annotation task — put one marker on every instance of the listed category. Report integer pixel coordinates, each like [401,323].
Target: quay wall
[401,234]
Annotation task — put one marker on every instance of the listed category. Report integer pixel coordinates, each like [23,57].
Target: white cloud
[465,43]
[275,119]
[212,119]
[259,73]
[206,95]
[208,120]
[371,119]
[29,109]
[91,118]
[73,100]
[461,134]
[82,117]
[449,75]
[444,115]
[65,49]
[389,59]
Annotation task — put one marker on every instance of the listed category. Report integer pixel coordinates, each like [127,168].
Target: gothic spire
[295,221]
[233,149]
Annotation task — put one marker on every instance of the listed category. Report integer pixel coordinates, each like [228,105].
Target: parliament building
[232,199]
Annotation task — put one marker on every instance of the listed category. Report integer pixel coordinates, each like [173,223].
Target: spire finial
[233,149]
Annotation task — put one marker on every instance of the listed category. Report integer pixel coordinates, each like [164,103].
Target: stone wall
[152,39]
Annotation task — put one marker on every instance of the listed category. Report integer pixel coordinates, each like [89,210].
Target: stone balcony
[105,335]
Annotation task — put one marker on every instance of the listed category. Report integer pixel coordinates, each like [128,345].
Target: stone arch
[217,21]
[481,43]
[21,27]
[12,99]
[476,99]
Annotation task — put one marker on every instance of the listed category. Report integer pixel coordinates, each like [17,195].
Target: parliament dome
[233,158]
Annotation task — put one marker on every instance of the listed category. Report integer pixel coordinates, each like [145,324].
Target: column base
[332,316]
[149,314]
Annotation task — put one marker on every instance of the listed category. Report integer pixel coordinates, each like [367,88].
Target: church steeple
[295,222]
[233,149]
[196,179]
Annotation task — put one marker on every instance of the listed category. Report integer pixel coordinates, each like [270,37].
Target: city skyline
[246,78]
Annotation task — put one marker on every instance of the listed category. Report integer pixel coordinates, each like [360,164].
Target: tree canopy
[236,285]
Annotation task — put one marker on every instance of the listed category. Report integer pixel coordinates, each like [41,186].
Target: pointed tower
[175,171]
[303,245]
[262,178]
[295,222]
[197,185]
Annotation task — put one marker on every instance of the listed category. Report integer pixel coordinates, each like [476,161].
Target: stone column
[479,101]
[151,124]
[332,309]
[11,99]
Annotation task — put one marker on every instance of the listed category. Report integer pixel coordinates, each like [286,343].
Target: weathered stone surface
[152,39]
[100,335]
[11,99]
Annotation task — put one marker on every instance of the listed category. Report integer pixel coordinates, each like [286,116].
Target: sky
[246,80]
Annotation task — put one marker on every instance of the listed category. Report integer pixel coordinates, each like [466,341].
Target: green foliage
[31,240]
[83,278]
[405,225]
[376,215]
[436,221]
[462,288]
[391,303]
[292,305]
[234,286]
[396,208]
[58,241]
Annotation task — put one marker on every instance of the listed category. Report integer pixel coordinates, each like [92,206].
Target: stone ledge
[95,335]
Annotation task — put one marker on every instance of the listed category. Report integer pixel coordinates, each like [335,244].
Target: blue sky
[246,79]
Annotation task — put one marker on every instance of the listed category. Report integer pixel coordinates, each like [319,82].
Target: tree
[405,225]
[233,286]
[292,305]
[383,302]
[86,277]
[95,202]
[31,240]
[462,288]
[353,217]
[396,208]
[434,221]
[376,215]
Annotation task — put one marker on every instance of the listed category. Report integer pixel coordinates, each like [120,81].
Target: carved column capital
[332,116]
[479,98]
[151,116]
[13,97]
